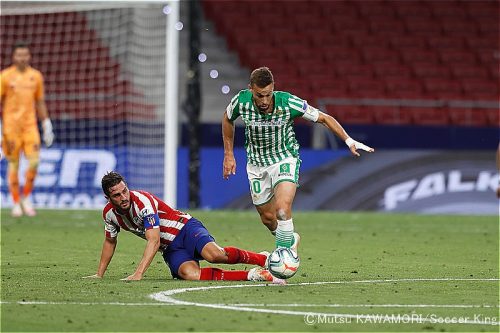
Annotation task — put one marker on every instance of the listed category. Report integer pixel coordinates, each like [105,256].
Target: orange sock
[30,180]
[14,185]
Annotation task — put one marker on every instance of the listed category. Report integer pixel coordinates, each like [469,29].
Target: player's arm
[43,114]
[229,164]
[152,226]
[108,249]
[334,126]
[152,246]
[498,168]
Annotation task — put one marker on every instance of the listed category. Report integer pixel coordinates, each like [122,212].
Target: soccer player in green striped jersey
[272,150]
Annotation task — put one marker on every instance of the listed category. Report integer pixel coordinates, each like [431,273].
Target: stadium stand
[439,51]
[74,62]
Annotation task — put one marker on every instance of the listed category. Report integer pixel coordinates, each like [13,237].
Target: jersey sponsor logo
[146,211]
[267,123]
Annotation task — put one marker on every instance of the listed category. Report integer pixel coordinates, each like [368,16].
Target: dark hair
[111,179]
[20,45]
[261,77]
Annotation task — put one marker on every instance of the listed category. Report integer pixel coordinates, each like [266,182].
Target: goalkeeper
[22,97]
[272,151]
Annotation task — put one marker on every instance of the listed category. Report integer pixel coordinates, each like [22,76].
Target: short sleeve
[110,229]
[40,88]
[300,108]
[233,109]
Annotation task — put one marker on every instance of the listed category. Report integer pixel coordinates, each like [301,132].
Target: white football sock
[284,233]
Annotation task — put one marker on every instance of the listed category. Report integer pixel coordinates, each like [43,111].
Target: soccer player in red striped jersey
[182,239]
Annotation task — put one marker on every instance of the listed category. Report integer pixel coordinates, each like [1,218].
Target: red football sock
[209,273]
[238,256]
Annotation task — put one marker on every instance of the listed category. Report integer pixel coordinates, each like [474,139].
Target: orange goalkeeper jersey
[19,91]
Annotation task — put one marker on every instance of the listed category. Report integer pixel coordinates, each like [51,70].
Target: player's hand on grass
[95,276]
[133,277]
[355,145]
[229,166]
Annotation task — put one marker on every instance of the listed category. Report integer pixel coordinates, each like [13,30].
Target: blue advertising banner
[67,178]
[432,182]
[71,177]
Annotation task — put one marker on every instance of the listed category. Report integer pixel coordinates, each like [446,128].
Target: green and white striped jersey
[269,137]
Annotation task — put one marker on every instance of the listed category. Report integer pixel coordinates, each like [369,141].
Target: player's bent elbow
[111,240]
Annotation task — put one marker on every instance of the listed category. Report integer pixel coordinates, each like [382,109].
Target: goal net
[104,71]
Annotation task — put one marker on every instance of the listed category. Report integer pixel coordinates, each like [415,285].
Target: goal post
[111,80]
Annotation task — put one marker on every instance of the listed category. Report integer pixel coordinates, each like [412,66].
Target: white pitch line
[82,303]
[465,306]
[166,296]
[293,305]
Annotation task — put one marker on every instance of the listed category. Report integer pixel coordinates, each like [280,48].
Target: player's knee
[13,165]
[282,213]
[33,162]
[189,273]
[267,217]
[216,258]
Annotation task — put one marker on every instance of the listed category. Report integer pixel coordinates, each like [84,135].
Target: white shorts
[262,180]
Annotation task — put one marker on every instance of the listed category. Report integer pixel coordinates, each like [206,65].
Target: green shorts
[262,180]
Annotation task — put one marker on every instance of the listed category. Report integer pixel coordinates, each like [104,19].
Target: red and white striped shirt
[144,204]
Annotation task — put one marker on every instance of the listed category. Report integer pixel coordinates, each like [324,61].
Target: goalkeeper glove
[48,135]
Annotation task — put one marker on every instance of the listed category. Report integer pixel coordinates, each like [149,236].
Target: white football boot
[260,274]
[16,210]
[267,254]
[28,207]
[295,246]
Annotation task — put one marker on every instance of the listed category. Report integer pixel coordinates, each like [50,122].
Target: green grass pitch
[434,267]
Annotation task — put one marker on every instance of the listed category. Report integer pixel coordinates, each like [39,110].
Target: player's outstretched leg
[215,254]
[190,270]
